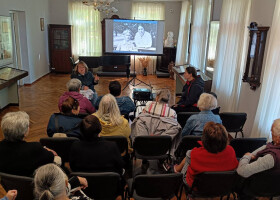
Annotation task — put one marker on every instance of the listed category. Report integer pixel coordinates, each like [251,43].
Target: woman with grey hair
[195,124]
[160,106]
[17,156]
[51,183]
[73,87]
[263,158]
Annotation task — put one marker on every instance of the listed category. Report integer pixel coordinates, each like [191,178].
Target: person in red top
[214,154]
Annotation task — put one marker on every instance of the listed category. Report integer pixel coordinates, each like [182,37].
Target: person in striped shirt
[160,106]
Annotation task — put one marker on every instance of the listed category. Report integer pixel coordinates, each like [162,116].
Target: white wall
[36,39]
[59,13]
[262,13]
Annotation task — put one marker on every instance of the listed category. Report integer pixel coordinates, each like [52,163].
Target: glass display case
[6,42]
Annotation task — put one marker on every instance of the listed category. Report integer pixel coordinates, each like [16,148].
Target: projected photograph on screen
[134,36]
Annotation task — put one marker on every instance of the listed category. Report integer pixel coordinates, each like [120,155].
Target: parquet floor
[40,100]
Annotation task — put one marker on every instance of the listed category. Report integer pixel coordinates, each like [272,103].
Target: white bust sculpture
[169,40]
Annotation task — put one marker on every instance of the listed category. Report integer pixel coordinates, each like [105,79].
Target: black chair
[187,143]
[182,117]
[122,144]
[159,186]
[234,122]
[263,184]
[244,145]
[103,185]
[23,184]
[213,184]
[152,147]
[61,145]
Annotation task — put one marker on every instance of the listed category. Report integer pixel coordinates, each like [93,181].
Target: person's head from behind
[81,68]
[74,85]
[50,182]
[70,106]
[275,132]
[115,88]
[127,34]
[15,126]
[163,96]
[141,30]
[214,137]
[206,102]
[90,128]
[190,73]
[109,110]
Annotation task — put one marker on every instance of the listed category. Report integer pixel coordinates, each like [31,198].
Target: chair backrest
[61,145]
[187,143]
[264,184]
[182,117]
[233,122]
[24,185]
[103,185]
[214,184]
[121,142]
[244,145]
[152,147]
[158,185]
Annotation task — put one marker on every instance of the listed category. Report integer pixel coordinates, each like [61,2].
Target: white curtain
[86,30]
[146,11]
[231,52]
[182,44]
[199,31]
[269,106]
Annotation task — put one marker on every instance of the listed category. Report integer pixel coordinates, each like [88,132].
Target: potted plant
[144,62]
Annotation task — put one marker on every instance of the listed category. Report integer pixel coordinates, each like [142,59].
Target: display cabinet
[6,42]
[169,54]
[60,48]
[255,55]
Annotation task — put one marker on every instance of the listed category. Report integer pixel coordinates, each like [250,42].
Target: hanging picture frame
[42,24]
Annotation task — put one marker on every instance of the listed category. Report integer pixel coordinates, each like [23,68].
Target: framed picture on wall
[42,24]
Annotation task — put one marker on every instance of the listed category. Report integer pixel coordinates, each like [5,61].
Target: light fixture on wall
[101,5]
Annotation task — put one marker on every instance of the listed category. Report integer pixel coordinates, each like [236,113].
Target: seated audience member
[86,77]
[112,122]
[92,153]
[125,103]
[51,183]
[158,118]
[67,121]
[73,87]
[264,158]
[214,154]
[160,107]
[193,88]
[215,111]
[17,156]
[11,195]
[195,124]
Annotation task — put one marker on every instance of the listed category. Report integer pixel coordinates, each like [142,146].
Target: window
[86,30]
[212,44]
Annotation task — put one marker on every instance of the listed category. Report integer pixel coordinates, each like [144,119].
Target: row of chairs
[164,186]
[233,122]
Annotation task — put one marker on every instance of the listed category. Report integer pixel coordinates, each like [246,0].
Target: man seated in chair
[262,159]
[125,103]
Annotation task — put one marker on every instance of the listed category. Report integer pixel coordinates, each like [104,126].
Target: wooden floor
[40,99]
